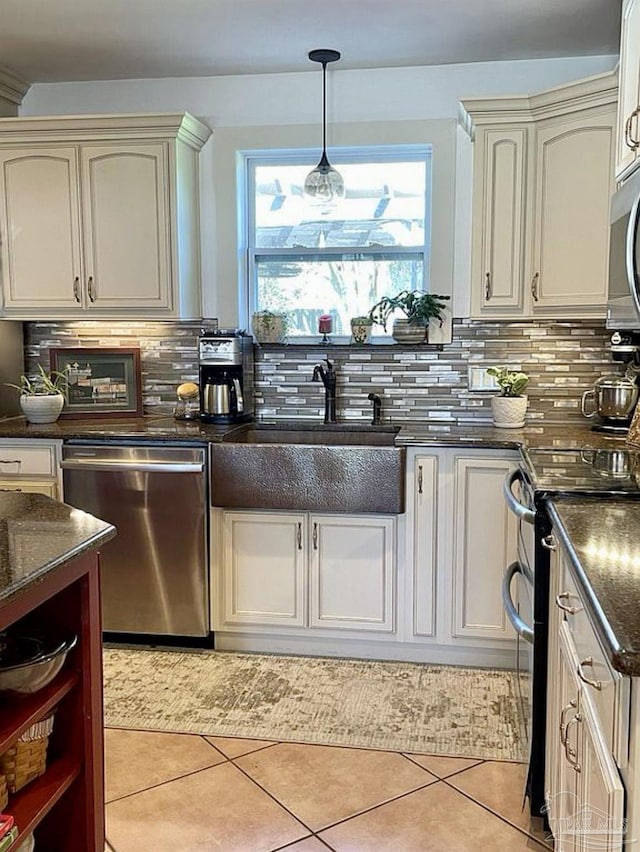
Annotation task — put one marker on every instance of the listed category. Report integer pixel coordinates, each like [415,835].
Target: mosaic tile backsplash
[415,382]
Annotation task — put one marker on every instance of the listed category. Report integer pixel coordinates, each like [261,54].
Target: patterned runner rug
[407,707]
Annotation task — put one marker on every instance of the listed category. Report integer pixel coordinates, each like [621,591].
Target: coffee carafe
[226,376]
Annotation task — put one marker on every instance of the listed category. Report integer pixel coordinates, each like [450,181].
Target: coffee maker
[226,375]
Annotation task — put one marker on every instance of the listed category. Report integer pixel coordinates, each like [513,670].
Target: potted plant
[509,408]
[42,396]
[361,329]
[419,309]
[269,326]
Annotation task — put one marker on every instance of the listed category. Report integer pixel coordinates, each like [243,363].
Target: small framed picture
[101,382]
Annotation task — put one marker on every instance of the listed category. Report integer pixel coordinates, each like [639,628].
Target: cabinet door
[40,229]
[629,94]
[602,795]
[565,802]
[573,189]
[485,535]
[498,221]
[263,568]
[352,572]
[127,243]
[422,524]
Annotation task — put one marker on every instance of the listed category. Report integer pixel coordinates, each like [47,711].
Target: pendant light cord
[324,110]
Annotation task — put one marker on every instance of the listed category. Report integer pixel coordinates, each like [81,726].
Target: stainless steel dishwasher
[154,576]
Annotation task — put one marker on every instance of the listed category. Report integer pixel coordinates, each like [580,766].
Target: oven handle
[520,626]
[516,507]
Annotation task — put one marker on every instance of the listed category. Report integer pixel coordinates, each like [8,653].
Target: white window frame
[246,166]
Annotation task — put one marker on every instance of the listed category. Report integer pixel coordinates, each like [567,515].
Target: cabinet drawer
[608,689]
[16,461]
[30,486]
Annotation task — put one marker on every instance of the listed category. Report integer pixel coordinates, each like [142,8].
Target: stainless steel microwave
[623,304]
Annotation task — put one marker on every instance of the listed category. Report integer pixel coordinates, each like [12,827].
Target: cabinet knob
[419,479]
[91,289]
[76,289]
[315,535]
[487,287]
[534,287]
[299,536]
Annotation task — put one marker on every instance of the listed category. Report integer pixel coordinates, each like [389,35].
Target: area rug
[407,707]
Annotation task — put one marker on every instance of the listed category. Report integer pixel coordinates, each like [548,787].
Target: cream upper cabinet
[628,141]
[540,215]
[125,203]
[574,181]
[107,227]
[501,157]
[41,242]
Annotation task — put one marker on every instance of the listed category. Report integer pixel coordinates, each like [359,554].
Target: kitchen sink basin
[329,435]
[309,467]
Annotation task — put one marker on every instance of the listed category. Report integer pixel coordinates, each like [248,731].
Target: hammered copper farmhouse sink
[332,468]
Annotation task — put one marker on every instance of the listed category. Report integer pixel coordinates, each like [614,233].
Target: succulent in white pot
[510,407]
[42,396]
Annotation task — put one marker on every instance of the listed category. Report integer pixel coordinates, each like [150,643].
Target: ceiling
[66,40]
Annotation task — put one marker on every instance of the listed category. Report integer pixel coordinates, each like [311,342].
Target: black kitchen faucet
[328,378]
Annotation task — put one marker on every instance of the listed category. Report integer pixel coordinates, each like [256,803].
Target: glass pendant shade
[324,184]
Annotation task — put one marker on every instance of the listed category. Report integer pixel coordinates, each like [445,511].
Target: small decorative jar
[361,329]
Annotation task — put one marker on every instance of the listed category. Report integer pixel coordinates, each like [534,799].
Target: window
[306,261]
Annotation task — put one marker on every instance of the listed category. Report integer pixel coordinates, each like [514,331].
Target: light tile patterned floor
[187,793]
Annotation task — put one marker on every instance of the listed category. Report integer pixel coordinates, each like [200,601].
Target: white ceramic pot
[42,408]
[508,411]
[405,332]
[269,328]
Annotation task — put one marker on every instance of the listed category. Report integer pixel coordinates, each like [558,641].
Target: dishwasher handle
[133,467]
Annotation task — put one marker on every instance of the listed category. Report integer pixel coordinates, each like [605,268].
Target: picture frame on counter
[102,382]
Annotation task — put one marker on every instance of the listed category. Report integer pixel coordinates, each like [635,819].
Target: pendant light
[324,184]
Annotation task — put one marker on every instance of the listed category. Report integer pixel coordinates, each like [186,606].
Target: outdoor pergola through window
[306,261]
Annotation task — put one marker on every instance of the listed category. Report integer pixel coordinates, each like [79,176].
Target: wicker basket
[4,793]
[27,757]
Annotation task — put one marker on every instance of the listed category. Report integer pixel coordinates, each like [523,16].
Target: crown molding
[595,91]
[86,128]
[12,87]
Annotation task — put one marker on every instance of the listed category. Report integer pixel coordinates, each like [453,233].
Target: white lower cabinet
[584,793]
[460,539]
[423,586]
[300,570]
[31,465]
[351,572]
[485,542]
[264,568]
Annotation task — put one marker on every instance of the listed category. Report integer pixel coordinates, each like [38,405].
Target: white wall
[377,106]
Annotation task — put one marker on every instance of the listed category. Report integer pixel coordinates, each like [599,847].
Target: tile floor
[188,793]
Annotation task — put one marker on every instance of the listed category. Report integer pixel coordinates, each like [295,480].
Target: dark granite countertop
[151,428]
[38,534]
[605,559]
[163,428]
